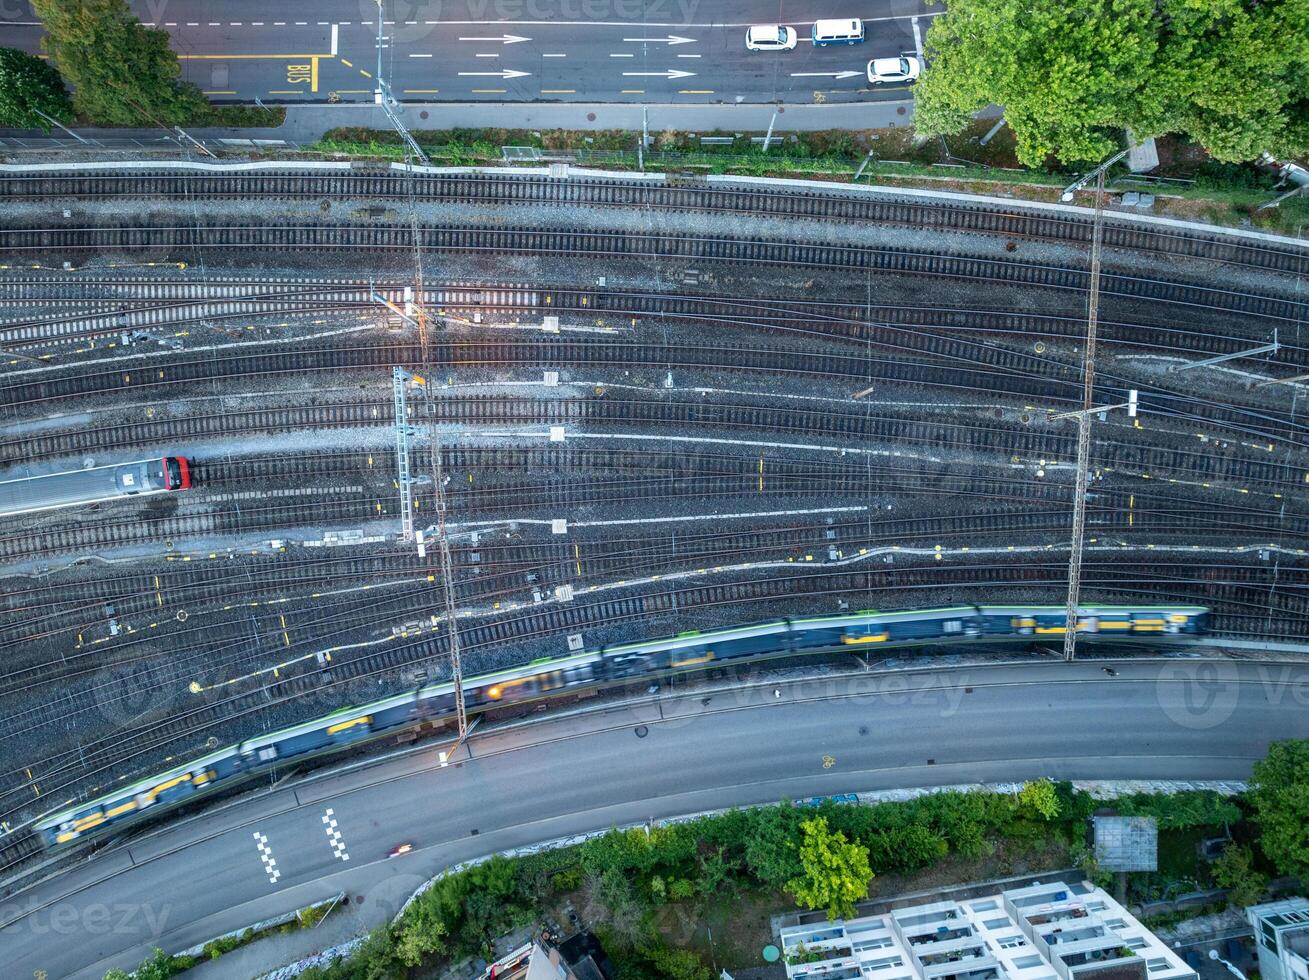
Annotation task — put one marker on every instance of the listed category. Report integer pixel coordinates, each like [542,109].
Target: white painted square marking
[266,858]
[334,836]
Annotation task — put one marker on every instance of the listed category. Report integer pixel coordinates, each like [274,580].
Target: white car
[894,70]
[770,37]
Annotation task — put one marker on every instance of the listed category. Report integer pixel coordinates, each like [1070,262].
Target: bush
[240,116]
[1178,811]
[311,916]
[1038,800]
[1235,871]
[825,855]
[216,948]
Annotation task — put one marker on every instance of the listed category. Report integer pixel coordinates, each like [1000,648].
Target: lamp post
[1213,955]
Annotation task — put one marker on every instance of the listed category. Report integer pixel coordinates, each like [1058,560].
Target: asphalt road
[1168,720]
[661,51]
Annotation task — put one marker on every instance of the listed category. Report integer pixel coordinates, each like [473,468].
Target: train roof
[131,789]
[1095,610]
[304,727]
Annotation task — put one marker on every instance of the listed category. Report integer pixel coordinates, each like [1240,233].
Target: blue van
[838,32]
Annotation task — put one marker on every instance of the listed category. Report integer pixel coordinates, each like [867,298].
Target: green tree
[122,73]
[28,88]
[836,872]
[1235,871]
[1279,791]
[1062,71]
[1231,74]
[1070,76]
[422,933]
[1038,799]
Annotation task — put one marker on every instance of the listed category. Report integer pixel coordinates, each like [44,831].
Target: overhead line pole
[438,478]
[1084,427]
[419,319]
[438,482]
[385,100]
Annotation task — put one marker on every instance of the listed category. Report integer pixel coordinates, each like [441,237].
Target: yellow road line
[249,57]
[348,64]
[633,91]
[557,91]
[421,91]
[224,91]
[491,91]
[354,91]
[695,91]
[364,73]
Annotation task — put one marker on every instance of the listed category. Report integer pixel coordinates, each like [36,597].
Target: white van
[838,32]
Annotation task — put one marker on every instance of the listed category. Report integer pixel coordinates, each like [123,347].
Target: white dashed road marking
[266,856]
[334,835]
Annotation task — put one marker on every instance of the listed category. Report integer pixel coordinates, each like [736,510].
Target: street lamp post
[1233,970]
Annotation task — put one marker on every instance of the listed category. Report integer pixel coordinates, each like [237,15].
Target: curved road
[666,756]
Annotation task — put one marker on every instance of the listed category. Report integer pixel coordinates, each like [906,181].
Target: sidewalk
[307,123]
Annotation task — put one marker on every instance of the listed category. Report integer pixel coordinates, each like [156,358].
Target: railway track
[177,305]
[157,302]
[914,357]
[502,566]
[632,245]
[187,728]
[933,438]
[825,204]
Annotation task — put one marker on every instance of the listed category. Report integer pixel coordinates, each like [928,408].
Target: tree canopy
[836,872]
[1235,871]
[1279,791]
[122,72]
[29,87]
[1039,800]
[1231,74]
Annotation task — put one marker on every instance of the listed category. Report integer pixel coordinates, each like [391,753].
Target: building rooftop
[1126,843]
[1045,931]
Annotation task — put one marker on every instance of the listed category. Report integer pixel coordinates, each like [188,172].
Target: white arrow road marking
[825,74]
[507,73]
[670,40]
[266,856]
[334,835]
[503,39]
[671,73]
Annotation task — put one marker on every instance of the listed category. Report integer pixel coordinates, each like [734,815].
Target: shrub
[1235,871]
